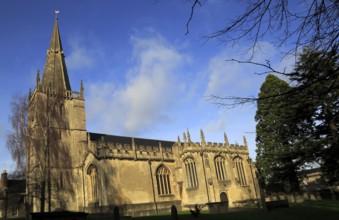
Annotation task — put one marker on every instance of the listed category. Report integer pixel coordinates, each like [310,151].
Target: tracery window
[163,181]
[191,172]
[219,163]
[240,171]
[92,176]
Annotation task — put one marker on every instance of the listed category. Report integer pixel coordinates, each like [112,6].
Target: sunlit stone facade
[70,168]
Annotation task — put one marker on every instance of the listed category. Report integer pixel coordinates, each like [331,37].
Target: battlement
[197,146]
[118,147]
[188,145]
[66,94]
[124,151]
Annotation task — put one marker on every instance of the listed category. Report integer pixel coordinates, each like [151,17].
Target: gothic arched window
[220,169]
[163,180]
[240,171]
[92,180]
[191,172]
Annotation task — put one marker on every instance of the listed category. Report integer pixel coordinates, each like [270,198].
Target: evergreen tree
[299,125]
[317,117]
[276,160]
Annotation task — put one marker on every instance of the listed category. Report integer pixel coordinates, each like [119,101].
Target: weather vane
[56,13]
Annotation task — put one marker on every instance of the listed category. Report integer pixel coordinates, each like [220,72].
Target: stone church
[70,168]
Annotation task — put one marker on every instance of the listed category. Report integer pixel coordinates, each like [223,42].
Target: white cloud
[229,78]
[81,56]
[146,98]
[287,64]
[221,75]
[217,124]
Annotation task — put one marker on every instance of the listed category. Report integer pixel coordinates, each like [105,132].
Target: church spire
[55,73]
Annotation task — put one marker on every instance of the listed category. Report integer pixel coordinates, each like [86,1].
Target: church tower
[57,127]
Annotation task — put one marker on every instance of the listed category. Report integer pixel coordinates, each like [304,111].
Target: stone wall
[294,198]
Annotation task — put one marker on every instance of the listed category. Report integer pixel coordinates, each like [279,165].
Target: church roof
[128,140]
[55,73]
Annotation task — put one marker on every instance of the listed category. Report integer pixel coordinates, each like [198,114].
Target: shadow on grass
[324,204]
[324,210]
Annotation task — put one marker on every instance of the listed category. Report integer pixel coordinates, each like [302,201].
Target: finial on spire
[29,94]
[56,12]
[38,78]
[188,136]
[82,95]
[185,138]
[226,140]
[245,141]
[202,136]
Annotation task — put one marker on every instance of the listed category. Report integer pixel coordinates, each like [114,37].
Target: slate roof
[96,137]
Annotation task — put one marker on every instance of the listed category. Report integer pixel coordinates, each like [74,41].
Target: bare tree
[17,139]
[311,23]
[35,144]
[293,25]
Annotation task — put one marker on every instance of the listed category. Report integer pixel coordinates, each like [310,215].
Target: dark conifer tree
[317,117]
[276,160]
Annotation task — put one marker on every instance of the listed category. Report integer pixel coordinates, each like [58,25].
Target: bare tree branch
[195,3]
[331,80]
[307,23]
[266,65]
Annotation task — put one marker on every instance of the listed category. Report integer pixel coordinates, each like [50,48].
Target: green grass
[323,210]
[309,210]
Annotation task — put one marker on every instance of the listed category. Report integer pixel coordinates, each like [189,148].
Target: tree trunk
[42,196]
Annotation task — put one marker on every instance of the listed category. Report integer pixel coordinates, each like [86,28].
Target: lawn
[323,210]
[309,210]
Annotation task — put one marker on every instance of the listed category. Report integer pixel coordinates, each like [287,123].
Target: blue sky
[143,76]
